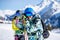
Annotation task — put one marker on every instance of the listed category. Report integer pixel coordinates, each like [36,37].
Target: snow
[1,13]
[56,31]
[6,33]
[56,6]
[6,12]
[53,36]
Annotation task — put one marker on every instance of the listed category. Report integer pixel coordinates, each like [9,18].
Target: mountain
[50,11]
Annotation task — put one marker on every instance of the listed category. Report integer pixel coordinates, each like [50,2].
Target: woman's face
[17,18]
[30,17]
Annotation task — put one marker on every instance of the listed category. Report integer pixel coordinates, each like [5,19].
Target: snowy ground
[54,36]
[6,33]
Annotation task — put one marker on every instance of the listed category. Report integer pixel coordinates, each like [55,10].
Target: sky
[16,4]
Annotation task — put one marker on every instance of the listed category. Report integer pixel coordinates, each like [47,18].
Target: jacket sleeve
[14,26]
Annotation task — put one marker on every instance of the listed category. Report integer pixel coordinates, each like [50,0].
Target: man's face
[30,17]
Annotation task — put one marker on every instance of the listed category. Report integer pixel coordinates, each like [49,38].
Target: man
[34,25]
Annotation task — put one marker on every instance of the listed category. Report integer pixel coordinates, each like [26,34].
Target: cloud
[6,12]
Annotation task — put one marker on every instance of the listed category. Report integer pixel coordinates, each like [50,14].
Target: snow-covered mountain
[8,12]
[49,10]
[49,7]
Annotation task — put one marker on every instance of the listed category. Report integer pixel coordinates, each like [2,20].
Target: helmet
[29,11]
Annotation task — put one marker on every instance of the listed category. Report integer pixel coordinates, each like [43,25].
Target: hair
[14,18]
[17,11]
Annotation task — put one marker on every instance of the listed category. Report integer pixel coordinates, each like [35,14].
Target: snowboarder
[38,28]
[34,25]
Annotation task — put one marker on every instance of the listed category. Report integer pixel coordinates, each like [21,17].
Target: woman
[14,27]
[13,24]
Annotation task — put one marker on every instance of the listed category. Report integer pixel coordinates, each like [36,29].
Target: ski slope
[54,36]
[6,33]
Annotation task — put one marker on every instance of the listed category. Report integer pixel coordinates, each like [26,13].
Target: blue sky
[16,4]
